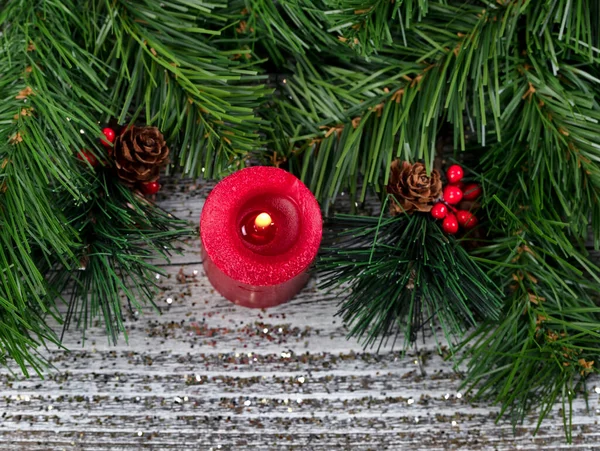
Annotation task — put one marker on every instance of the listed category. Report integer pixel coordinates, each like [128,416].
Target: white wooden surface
[207,374]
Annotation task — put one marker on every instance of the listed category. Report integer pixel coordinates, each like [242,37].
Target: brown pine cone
[412,189]
[139,154]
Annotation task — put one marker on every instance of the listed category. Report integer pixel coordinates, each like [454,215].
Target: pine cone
[412,188]
[139,154]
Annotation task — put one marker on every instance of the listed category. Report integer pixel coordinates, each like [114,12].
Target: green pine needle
[404,275]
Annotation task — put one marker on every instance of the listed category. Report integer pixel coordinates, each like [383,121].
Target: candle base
[249,295]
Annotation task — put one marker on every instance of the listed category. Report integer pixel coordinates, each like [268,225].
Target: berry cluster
[108,140]
[455,192]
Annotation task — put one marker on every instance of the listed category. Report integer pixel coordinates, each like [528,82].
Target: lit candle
[261,229]
[258,228]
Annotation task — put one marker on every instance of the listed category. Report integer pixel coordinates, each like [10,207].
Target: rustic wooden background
[208,375]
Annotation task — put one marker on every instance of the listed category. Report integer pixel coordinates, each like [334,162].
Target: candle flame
[263,220]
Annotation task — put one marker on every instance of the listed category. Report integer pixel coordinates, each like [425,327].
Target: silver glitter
[459,395]
[68,119]
[195,272]
[140,433]
[50,407]
[301,379]
[186,399]
[284,81]
[597,390]
[249,354]
[178,400]
[416,362]
[286,401]
[299,401]
[247,403]
[157,276]
[453,423]
[280,329]
[237,354]
[416,419]
[138,399]
[198,378]
[26,398]
[169,300]
[82,131]
[410,401]
[447,396]
[265,330]
[203,169]
[289,409]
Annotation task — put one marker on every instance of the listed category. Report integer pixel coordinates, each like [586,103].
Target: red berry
[472,191]
[86,155]
[466,219]
[453,194]
[109,134]
[439,210]
[454,173]
[450,224]
[150,188]
[472,223]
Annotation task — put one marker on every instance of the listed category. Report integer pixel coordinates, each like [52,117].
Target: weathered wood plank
[208,374]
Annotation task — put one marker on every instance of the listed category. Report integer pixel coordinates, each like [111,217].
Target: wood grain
[206,374]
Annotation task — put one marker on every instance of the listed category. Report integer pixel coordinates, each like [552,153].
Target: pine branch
[289,28]
[367,26]
[53,90]
[174,66]
[35,163]
[546,343]
[550,128]
[402,275]
[121,233]
[431,79]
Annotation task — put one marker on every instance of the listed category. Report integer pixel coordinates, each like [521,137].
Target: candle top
[278,198]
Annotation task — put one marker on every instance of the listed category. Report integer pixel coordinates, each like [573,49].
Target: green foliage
[174,65]
[121,234]
[404,275]
[35,164]
[546,343]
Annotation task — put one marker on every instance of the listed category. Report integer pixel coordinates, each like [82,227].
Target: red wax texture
[255,272]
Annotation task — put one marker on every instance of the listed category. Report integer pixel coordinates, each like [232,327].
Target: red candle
[261,229]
